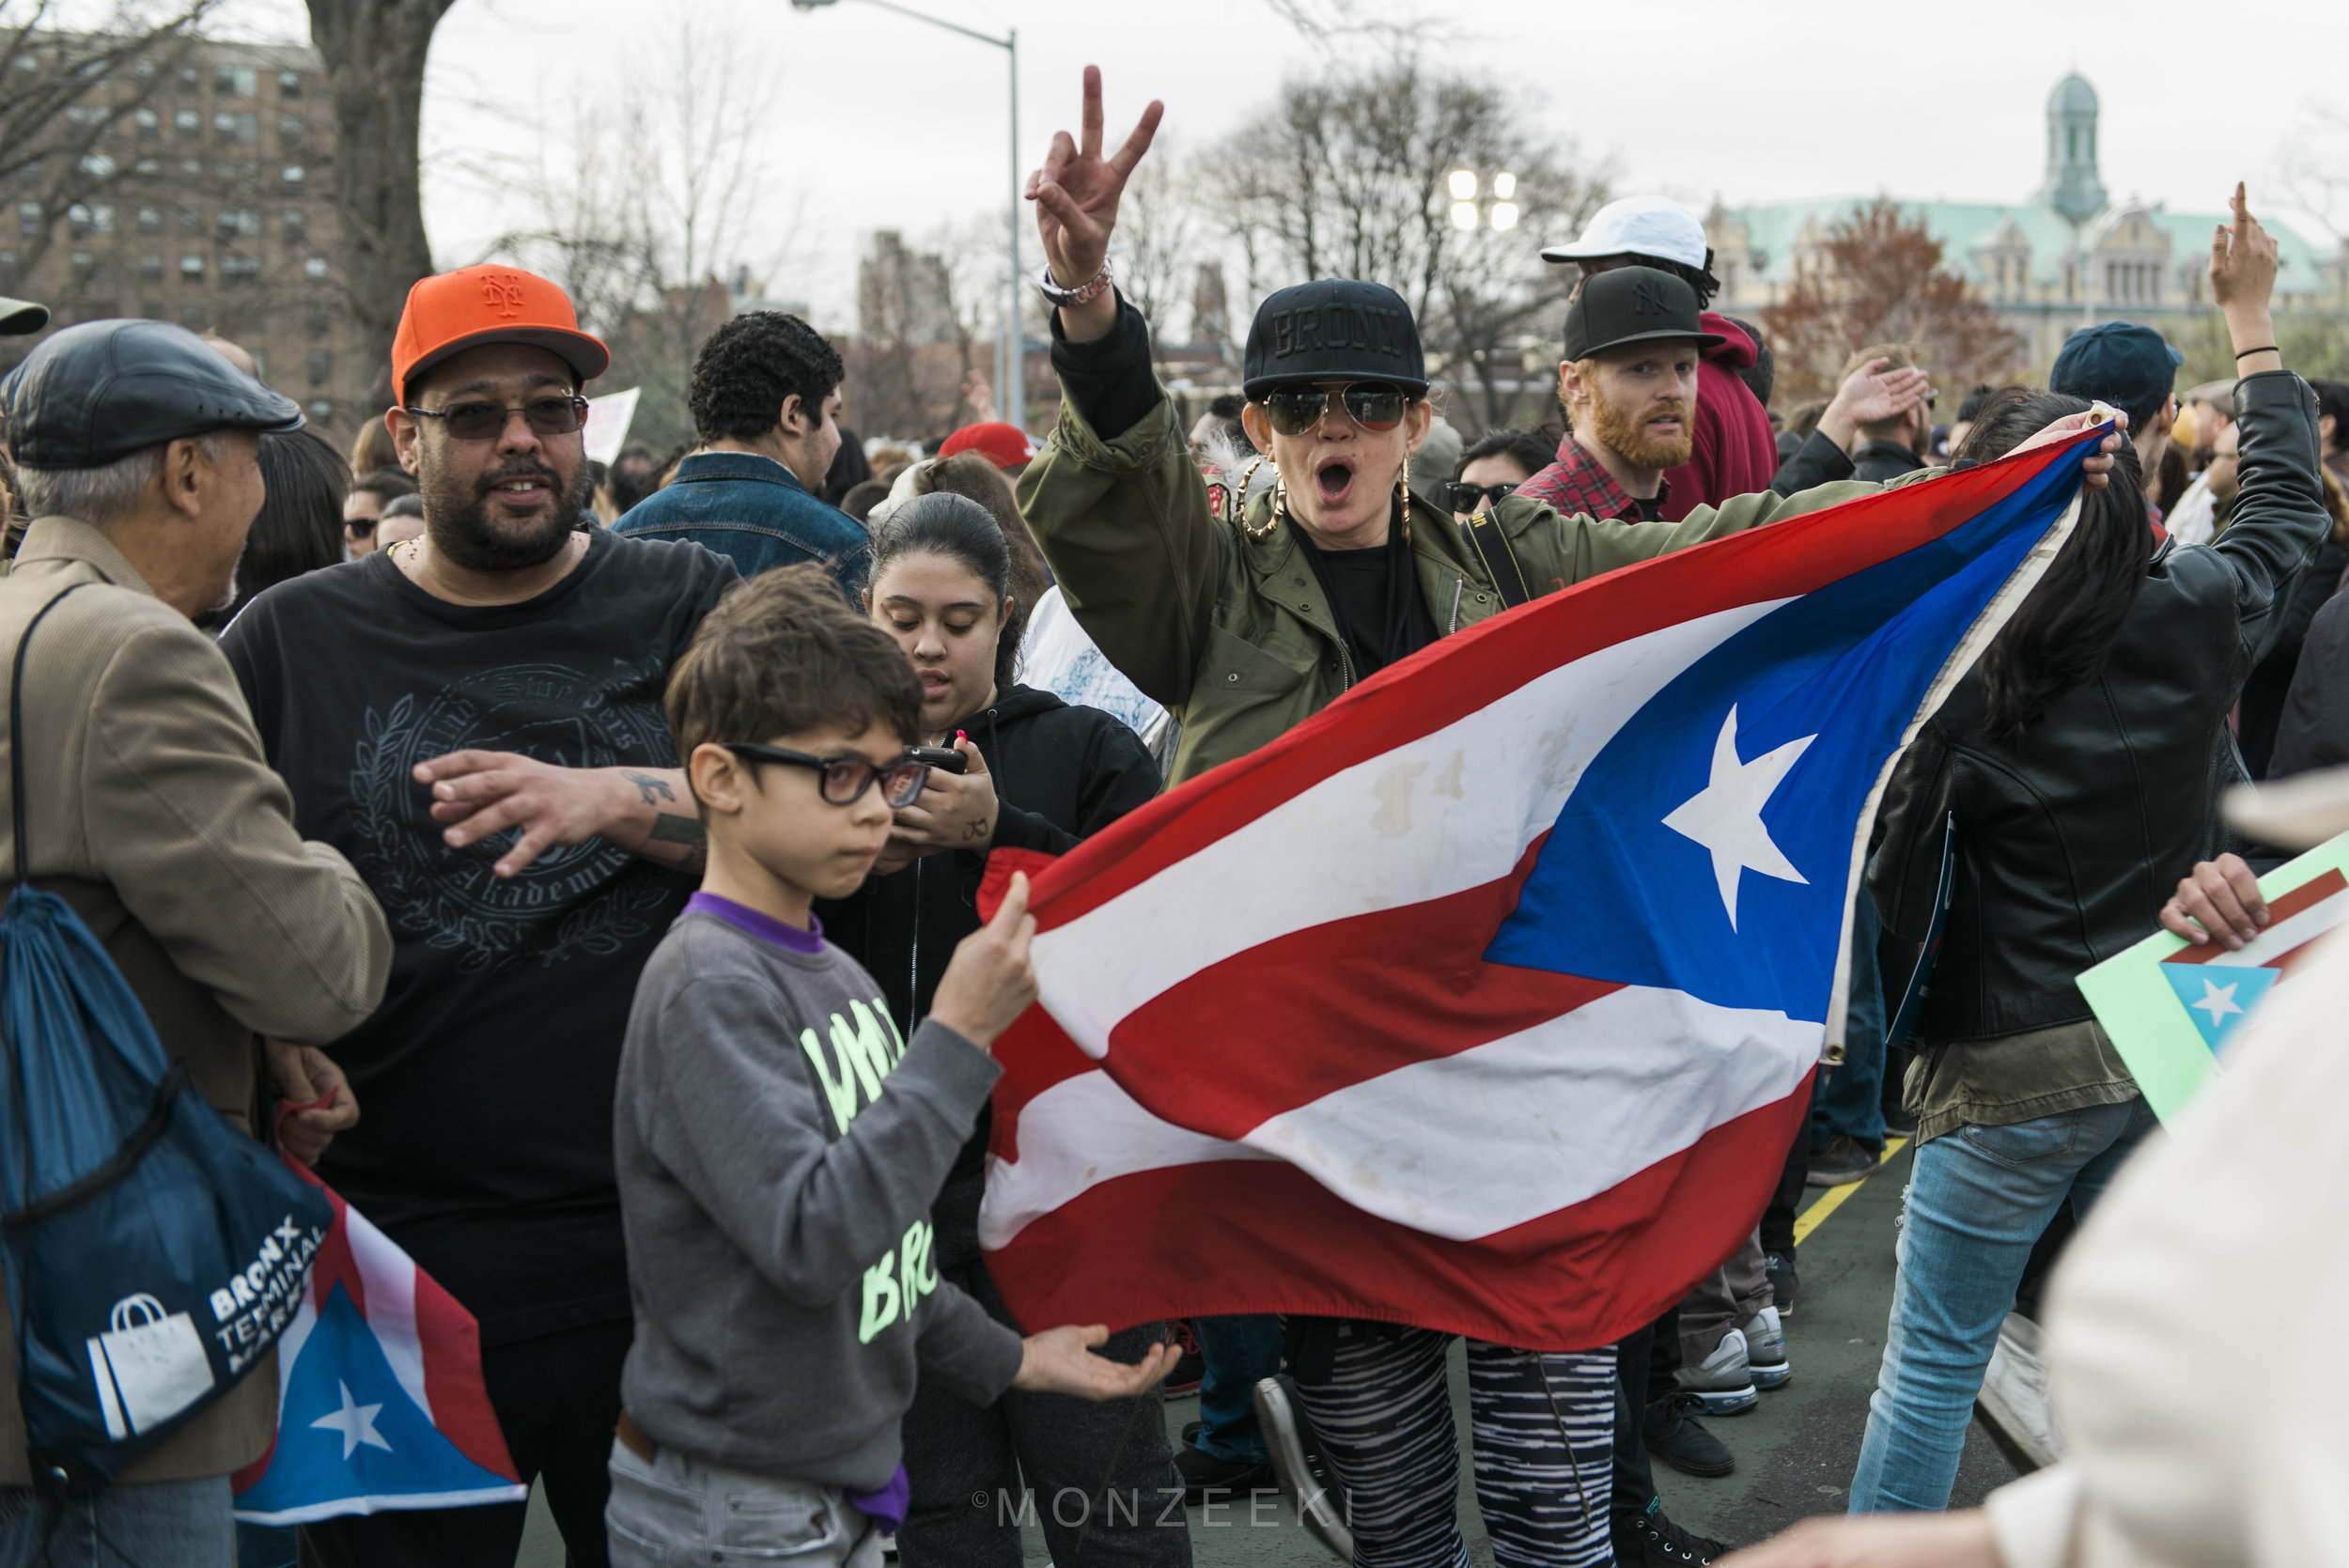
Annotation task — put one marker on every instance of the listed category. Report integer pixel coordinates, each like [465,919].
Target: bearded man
[503,672]
[1629,386]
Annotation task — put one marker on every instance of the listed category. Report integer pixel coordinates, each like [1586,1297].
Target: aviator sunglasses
[1376,406]
[546,417]
[843,780]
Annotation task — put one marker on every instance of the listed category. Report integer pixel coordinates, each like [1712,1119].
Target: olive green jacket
[1233,635]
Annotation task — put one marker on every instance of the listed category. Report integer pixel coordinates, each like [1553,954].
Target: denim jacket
[755,511]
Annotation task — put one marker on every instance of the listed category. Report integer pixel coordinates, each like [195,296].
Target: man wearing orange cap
[473,718]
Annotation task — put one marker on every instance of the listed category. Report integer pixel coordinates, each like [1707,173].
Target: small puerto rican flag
[2220,988]
[380,1403]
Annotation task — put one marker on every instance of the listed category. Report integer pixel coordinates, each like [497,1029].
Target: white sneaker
[1766,1350]
[1724,1381]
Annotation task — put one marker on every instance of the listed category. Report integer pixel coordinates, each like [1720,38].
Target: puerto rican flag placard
[1487,999]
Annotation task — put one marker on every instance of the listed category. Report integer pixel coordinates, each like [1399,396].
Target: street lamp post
[1011,351]
[1466,215]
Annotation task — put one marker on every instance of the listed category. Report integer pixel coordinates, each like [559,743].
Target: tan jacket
[149,810]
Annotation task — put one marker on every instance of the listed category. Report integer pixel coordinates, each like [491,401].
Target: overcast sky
[884,122]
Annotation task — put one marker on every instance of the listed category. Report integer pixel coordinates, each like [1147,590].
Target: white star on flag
[2218,1000]
[1725,817]
[355,1421]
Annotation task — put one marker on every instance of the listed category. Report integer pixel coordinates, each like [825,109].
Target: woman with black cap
[1244,620]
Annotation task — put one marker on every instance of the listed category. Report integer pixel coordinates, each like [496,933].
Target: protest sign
[608,419]
[2173,1007]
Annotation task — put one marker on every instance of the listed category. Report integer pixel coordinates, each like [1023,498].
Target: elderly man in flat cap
[149,809]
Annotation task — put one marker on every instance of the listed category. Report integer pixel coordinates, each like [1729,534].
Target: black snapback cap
[1632,304]
[1335,327]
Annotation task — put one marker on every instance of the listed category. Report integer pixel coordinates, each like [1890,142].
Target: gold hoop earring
[1279,504]
[1403,498]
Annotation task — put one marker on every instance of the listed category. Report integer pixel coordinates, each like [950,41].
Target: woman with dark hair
[972,474]
[299,526]
[1040,774]
[1492,469]
[2076,773]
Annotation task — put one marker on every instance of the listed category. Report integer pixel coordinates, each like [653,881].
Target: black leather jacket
[2070,842]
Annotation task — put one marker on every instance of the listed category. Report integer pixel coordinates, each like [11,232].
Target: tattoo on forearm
[653,788]
[975,830]
[672,828]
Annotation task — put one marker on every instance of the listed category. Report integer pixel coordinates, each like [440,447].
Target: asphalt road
[1794,1452]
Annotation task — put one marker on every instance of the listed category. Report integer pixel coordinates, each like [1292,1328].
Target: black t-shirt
[485,1080]
[1374,598]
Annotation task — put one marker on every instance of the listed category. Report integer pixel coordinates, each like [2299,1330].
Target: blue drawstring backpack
[153,1252]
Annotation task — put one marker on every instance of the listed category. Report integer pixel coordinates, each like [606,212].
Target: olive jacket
[150,811]
[1232,634]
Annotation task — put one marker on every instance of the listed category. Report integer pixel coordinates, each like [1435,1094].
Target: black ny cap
[1336,326]
[1632,304]
[94,394]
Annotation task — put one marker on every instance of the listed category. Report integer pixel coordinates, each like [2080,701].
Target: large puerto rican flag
[1487,999]
[380,1399]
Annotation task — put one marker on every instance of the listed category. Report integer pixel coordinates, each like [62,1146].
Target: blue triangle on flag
[350,1440]
[2218,997]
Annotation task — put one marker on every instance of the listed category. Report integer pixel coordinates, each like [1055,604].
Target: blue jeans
[182,1523]
[1977,1204]
[1238,1352]
[1850,1103]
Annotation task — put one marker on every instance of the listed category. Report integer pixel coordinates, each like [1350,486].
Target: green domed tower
[2072,186]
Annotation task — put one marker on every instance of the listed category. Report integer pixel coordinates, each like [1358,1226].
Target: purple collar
[764,928]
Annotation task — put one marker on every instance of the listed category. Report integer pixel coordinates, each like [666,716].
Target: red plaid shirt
[1577,483]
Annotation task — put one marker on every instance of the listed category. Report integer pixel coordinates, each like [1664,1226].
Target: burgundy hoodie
[1736,452]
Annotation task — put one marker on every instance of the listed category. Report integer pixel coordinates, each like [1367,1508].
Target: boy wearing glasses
[776,1199]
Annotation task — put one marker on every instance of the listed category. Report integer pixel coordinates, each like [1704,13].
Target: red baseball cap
[450,312]
[1004,445]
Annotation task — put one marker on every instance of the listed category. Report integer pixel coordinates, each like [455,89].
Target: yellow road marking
[1832,1198]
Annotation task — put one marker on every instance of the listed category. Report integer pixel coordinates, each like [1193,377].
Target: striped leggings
[1385,1421]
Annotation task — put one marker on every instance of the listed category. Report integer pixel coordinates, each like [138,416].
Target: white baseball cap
[1638,225]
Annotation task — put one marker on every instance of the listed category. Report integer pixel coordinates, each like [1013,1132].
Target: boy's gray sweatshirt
[778,1149]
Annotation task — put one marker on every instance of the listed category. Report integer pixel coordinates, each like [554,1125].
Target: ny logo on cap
[1647,298]
[502,293]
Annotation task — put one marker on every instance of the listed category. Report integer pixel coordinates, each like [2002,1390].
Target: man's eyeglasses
[1292,410]
[1459,497]
[546,417]
[843,780]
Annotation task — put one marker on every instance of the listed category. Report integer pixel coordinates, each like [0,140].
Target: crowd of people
[577,851]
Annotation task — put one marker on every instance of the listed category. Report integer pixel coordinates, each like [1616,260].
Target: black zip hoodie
[1062,774]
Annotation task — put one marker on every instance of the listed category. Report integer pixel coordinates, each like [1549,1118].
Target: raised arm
[1115,501]
[2278,521]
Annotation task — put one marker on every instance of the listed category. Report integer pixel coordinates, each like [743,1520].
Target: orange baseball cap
[450,312]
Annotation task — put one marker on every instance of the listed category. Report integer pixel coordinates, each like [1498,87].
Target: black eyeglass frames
[1461,497]
[843,780]
[546,417]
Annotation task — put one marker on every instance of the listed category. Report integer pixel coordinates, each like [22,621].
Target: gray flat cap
[96,393]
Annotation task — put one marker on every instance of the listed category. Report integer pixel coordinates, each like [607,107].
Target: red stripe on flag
[1227,1237]
[1500,654]
[2307,896]
[451,1341]
[1227,1049]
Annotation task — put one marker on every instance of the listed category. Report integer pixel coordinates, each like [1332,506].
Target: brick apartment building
[202,198]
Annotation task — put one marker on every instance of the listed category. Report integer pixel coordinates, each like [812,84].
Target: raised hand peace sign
[1076,192]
